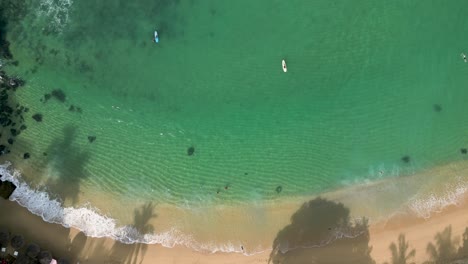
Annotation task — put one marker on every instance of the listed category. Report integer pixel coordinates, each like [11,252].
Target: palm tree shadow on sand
[400,254]
[321,232]
[134,253]
[445,248]
[68,161]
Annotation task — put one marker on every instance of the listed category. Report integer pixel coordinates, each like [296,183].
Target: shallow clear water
[360,93]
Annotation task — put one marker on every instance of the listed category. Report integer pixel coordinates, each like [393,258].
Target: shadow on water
[321,232]
[68,161]
[134,253]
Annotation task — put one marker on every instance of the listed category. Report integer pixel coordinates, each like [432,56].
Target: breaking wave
[93,224]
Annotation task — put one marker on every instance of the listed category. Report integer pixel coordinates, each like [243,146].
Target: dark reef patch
[91,139]
[59,95]
[26,155]
[463,151]
[406,159]
[190,151]
[37,117]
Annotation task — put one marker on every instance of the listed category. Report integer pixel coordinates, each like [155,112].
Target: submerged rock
[47,96]
[23,127]
[190,151]
[463,151]
[406,159]
[437,107]
[14,132]
[71,108]
[26,155]
[10,141]
[37,117]
[91,139]
[59,95]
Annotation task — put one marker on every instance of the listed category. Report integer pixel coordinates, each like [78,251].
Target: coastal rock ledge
[6,189]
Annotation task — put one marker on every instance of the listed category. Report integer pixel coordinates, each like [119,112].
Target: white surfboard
[283,63]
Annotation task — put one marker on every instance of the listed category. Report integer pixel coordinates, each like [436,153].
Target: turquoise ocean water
[367,84]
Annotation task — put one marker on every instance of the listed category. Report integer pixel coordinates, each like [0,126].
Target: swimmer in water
[463,56]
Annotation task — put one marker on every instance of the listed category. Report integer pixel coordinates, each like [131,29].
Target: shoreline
[382,230]
[72,244]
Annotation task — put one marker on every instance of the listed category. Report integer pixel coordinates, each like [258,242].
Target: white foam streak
[425,206]
[88,220]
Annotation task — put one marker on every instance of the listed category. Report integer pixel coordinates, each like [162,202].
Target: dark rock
[14,132]
[406,159]
[26,109]
[23,127]
[279,189]
[59,95]
[6,189]
[10,141]
[91,139]
[437,107]
[44,153]
[37,117]
[464,151]
[2,148]
[26,155]
[47,96]
[190,151]
[71,108]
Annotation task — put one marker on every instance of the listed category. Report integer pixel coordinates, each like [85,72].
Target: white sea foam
[89,220]
[57,11]
[425,206]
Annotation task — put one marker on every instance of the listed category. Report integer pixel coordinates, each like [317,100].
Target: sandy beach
[72,244]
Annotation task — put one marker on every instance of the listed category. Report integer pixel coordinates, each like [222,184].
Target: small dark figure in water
[406,159]
[437,107]
[37,117]
[218,191]
[226,187]
[242,247]
[190,151]
[279,189]
[10,141]
[26,155]
[464,151]
[91,139]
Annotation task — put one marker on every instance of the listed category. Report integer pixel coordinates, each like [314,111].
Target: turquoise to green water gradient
[363,78]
